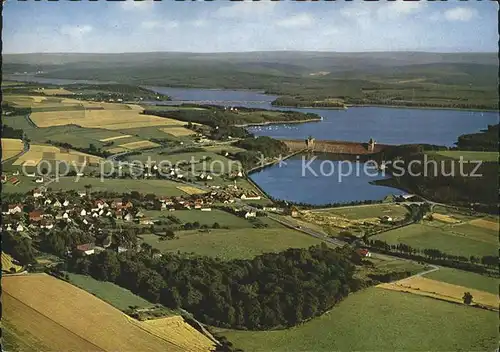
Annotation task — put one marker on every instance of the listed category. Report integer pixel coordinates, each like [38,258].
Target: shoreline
[387,106]
[277,122]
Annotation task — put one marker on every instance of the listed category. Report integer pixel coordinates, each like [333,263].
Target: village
[100,214]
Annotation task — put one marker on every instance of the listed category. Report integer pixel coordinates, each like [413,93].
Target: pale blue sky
[222,26]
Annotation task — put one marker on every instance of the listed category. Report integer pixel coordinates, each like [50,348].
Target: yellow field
[183,333]
[437,289]
[139,145]
[485,224]
[178,131]
[62,317]
[7,263]
[106,119]
[39,152]
[117,150]
[11,147]
[54,91]
[191,190]
[115,138]
[444,218]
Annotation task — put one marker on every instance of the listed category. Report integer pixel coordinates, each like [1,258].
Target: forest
[273,290]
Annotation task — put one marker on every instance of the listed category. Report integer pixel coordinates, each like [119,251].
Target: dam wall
[337,147]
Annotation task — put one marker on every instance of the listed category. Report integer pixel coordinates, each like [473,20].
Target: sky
[224,26]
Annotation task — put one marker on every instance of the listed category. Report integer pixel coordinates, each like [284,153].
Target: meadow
[64,317]
[223,218]
[465,278]
[115,295]
[423,286]
[382,320]
[367,211]
[157,187]
[233,244]
[468,155]
[446,239]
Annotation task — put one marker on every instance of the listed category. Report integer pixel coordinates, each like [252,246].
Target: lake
[321,181]
[385,125]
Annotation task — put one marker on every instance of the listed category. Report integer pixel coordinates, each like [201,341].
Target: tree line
[273,290]
[435,256]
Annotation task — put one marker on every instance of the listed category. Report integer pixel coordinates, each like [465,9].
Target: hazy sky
[219,26]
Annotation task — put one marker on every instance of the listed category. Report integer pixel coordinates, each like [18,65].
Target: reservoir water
[385,125]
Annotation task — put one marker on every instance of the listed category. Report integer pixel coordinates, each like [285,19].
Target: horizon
[239,27]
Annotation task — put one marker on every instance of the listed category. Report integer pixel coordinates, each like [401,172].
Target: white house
[206,209]
[19,228]
[39,180]
[85,221]
[47,201]
[37,193]
[66,203]
[82,193]
[128,217]
[15,208]
[250,214]
[65,216]
[57,204]
[83,212]
[245,197]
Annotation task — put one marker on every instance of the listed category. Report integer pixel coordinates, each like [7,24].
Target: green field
[158,187]
[468,155]
[115,295]
[381,320]
[368,211]
[203,217]
[442,238]
[478,233]
[232,244]
[465,278]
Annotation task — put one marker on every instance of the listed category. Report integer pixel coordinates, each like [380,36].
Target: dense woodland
[444,182]
[486,140]
[272,290]
[10,132]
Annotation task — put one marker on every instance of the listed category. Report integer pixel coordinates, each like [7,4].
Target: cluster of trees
[114,91]
[271,290]
[258,147]
[8,109]
[486,140]
[305,102]
[10,132]
[285,203]
[92,149]
[20,248]
[431,104]
[222,122]
[435,256]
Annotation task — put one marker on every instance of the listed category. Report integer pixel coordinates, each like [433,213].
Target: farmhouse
[364,252]
[37,193]
[249,197]
[15,208]
[250,214]
[35,216]
[85,249]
